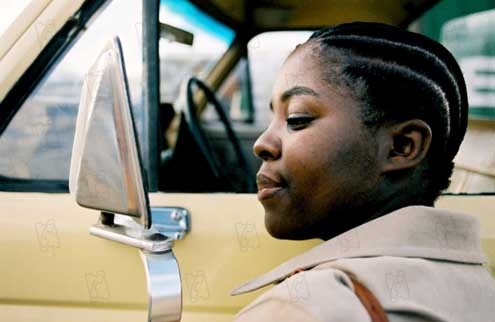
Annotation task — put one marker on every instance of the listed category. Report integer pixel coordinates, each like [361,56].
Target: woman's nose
[268,146]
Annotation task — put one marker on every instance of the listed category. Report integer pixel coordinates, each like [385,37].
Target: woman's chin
[273,225]
[279,228]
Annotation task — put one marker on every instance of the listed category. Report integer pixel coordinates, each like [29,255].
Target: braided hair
[398,75]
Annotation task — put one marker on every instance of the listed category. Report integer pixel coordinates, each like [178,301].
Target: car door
[51,268]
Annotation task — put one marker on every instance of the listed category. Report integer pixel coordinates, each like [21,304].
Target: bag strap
[367,298]
[369,301]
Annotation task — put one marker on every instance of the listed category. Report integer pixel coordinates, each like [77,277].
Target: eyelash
[298,122]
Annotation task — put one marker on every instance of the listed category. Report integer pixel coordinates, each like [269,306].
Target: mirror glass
[106,172]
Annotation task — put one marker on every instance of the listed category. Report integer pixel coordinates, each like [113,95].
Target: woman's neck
[354,217]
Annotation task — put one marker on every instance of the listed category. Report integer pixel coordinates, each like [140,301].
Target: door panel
[213,261]
[226,246]
[45,275]
[44,313]
[51,266]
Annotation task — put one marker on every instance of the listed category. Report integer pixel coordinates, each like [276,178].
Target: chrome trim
[164,286]
[173,222]
[169,224]
[126,231]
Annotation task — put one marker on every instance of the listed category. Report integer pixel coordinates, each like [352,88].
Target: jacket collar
[414,231]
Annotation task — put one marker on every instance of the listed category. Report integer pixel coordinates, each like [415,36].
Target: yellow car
[126,127]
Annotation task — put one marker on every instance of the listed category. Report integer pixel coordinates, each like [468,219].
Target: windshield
[179,61]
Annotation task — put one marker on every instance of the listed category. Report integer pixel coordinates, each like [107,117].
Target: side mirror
[106,172]
[106,175]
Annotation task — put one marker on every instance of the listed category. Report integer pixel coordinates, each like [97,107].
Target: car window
[234,95]
[467,29]
[37,143]
[180,169]
[179,61]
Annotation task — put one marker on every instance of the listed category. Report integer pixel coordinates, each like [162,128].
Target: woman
[356,154]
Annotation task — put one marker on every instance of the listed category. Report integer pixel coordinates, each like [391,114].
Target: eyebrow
[295,91]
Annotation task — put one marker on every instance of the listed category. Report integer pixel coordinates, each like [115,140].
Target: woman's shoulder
[430,289]
[313,295]
[427,265]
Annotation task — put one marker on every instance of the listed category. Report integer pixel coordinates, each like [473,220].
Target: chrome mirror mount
[169,224]
[164,286]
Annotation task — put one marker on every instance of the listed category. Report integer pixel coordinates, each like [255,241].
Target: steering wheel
[200,137]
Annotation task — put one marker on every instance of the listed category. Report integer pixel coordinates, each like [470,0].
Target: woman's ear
[405,145]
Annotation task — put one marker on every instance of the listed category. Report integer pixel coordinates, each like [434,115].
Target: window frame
[51,55]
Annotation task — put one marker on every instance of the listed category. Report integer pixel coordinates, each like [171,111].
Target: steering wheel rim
[198,133]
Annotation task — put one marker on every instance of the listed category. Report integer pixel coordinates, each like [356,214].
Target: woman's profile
[356,154]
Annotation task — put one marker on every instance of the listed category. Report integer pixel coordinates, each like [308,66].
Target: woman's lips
[267,193]
[267,186]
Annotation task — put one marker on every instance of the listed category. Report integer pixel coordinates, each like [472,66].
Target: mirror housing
[105,171]
[175,34]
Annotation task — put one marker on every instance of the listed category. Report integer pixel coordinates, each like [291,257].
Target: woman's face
[319,162]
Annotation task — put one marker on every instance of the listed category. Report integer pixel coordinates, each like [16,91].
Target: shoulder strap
[369,301]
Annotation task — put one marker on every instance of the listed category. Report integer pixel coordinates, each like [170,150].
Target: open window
[37,143]
[190,160]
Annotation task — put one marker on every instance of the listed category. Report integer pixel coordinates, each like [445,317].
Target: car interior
[226,135]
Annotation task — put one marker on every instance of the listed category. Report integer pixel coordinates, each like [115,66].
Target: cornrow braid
[404,75]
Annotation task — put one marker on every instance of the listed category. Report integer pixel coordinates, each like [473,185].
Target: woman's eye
[298,122]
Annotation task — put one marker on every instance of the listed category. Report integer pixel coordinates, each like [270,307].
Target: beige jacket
[422,263]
